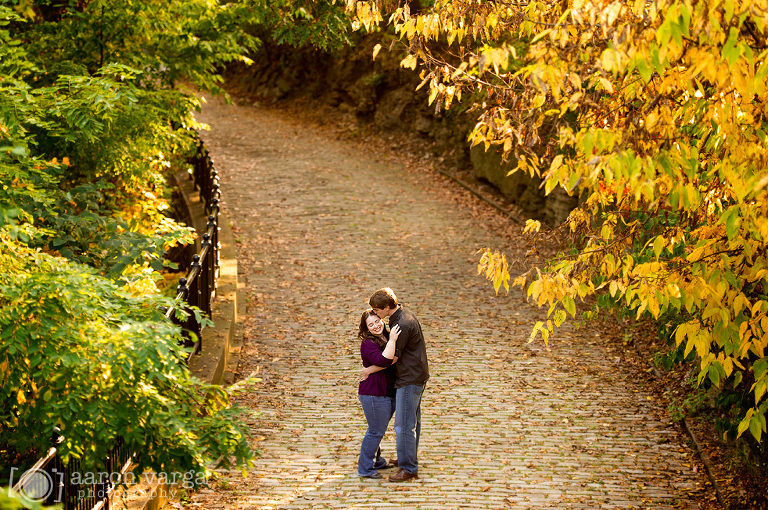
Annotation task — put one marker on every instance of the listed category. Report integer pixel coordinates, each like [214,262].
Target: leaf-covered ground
[323,214]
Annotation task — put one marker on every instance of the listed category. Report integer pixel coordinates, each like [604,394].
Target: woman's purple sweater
[382,383]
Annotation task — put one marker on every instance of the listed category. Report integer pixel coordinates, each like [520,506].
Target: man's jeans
[408,426]
[378,411]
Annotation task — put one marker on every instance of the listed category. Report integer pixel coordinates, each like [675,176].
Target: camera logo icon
[35,485]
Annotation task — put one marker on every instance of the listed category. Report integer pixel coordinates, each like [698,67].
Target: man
[412,374]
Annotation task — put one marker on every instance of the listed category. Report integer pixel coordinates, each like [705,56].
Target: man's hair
[383,298]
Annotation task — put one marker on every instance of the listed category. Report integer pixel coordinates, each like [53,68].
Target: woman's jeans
[378,411]
[408,426]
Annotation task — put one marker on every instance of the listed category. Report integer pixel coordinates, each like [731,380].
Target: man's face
[381,312]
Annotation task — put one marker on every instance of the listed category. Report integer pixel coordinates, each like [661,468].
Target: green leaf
[743,425]
[658,245]
[732,221]
[730,51]
[570,305]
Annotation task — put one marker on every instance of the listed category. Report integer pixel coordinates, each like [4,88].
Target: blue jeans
[378,411]
[408,426]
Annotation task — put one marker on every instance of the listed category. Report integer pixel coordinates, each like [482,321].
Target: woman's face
[375,325]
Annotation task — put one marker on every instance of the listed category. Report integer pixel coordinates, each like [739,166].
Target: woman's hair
[383,298]
[364,334]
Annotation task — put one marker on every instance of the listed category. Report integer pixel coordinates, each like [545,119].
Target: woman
[377,390]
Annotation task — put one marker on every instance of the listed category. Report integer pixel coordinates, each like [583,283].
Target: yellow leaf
[607,85]
[728,366]
[673,290]
[701,343]
[531,226]
[760,389]
[556,163]
[541,35]
[608,60]
[651,119]
[653,306]
[743,329]
[410,62]
[739,303]
[449,92]
[684,330]
[689,346]
[459,70]
[376,50]
[535,330]
[433,94]
[762,184]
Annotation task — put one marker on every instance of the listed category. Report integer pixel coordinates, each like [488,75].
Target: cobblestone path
[321,223]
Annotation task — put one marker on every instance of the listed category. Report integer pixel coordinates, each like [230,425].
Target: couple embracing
[394,376]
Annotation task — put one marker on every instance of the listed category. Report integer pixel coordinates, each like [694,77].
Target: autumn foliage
[654,115]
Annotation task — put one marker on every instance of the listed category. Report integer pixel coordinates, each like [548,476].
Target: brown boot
[402,475]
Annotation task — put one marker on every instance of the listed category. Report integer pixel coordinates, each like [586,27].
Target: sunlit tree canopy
[654,115]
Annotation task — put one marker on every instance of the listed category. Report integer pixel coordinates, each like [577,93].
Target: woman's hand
[389,349]
[394,333]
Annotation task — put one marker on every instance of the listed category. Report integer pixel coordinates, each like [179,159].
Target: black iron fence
[198,288]
[51,482]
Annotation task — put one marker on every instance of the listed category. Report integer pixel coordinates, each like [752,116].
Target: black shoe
[388,465]
[374,476]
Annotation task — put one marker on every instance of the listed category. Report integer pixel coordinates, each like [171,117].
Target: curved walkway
[321,223]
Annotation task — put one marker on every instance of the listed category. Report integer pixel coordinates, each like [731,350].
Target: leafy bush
[79,352]
[90,129]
